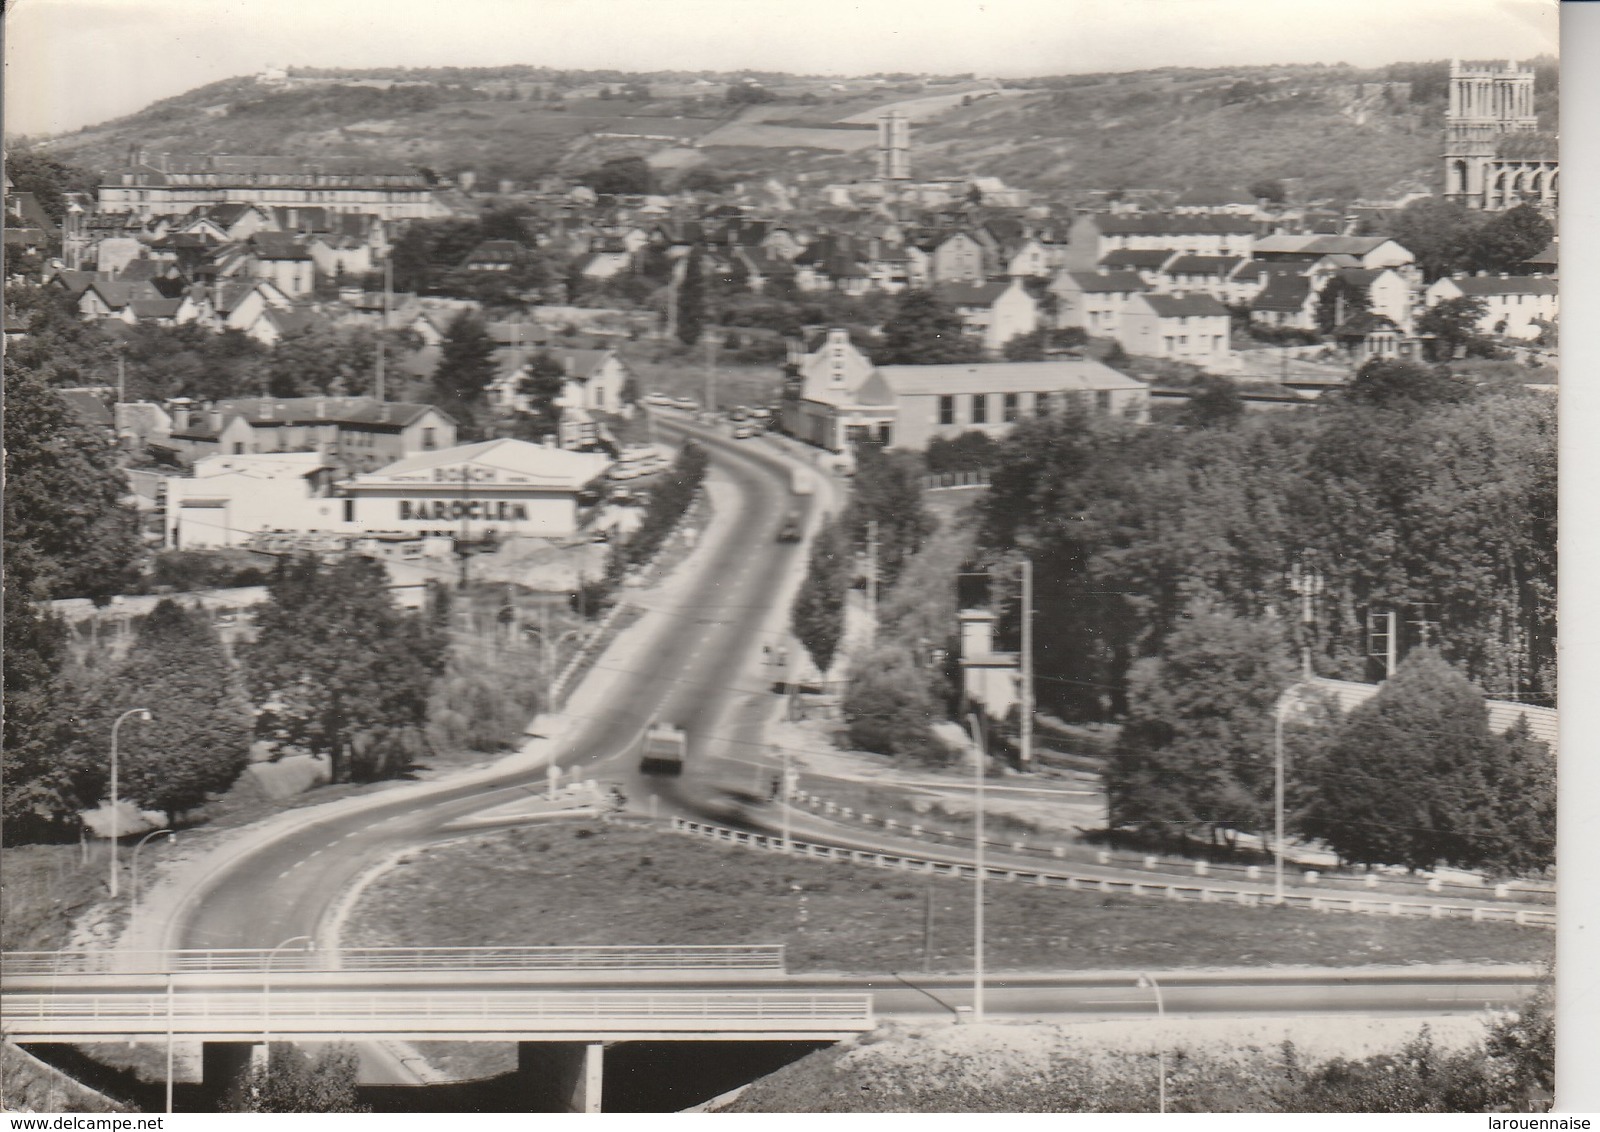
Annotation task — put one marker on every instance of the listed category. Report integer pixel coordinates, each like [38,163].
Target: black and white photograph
[755,557]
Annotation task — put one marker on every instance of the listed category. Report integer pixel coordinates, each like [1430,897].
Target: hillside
[1326,131]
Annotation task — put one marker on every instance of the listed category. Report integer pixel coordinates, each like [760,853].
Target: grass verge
[596,884]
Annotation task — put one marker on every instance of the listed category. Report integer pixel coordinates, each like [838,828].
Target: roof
[1312,244]
[1186,306]
[155,308]
[340,410]
[1505,284]
[278,245]
[1150,258]
[1214,196]
[1099,283]
[497,251]
[90,408]
[973,294]
[1503,714]
[996,377]
[1527,146]
[513,462]
[1203,265]
[1363,323]
[1285,291]
[290,321]
[1149,223]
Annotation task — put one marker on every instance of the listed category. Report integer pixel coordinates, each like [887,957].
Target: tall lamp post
[977,869]
[1148,983]
[134,911]
[266,991]
[1306,580]
[116,831]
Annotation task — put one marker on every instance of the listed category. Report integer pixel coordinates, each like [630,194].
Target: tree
[334,657]
[292,1081]
[1441,234]
[886,490]
[924,330]
[199,740]
[466,365]
[542,387]
[1391,384]
[888,707]
[1412,777]
[1026,347]
[35,171]
[692,300]
[39,790]
[1214,403]
[64,496]
[621,176]
[1195,752]
[323,359]
[1509,239]
[818,615]
[1452,324]
[1268,190]
[1338,301]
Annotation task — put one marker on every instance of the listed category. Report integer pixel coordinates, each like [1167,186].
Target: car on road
[663,749]
[660,399]
[789,530]
[687,404]
[743,432]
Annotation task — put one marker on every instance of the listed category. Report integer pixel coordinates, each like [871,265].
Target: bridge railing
[301,1011]
[1206,894]
[733,957]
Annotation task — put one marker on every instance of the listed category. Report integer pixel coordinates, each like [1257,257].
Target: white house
[1184,328]
[995,312]
[231,499]
[1512,302]
[1095,300]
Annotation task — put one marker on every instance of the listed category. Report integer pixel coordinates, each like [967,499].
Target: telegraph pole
[1026,736]
[978,869]
[711,373]
[872,575]
[383,325]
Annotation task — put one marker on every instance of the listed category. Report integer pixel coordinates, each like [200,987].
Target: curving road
[689,672]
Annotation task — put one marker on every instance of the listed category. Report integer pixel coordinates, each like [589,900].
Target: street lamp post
[548,650]
[134,911]
[144,714]
[266,991]
[977,869]
[1148,983]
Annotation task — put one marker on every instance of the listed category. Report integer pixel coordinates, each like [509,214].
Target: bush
[188,570]
[969,452]
[889,709]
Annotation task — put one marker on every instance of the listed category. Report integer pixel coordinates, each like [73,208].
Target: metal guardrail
[750,957]
[1204,894]
[407,1011]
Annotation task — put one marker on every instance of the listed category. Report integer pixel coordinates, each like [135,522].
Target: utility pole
[978,867]
[383,325]
[872,576]
[1026,722]
[711,373]
[122,375]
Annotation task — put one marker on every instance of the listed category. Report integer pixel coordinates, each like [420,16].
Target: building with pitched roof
[1182,327]
[357,433]
[1514,305]
[1095,300]
[1287,299]
[995,313]
[839,397]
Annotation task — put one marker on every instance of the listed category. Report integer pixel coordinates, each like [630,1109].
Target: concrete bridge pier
[561,1076]
[225,1065]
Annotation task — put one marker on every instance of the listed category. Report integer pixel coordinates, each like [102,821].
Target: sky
[70,63]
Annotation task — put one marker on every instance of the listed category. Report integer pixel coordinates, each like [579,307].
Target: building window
[427,439]
[1041,404]
[980,408]
[1009,411]
[1102,400]
[349,510]
[947,410]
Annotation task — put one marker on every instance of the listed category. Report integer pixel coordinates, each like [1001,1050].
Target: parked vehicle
[789,530]
[663,749]
[743,432]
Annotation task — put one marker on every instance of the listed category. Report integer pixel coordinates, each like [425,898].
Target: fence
[942,480]
[1204,894]
[752,957]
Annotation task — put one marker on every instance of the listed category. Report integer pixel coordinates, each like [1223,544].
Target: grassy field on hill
[593,884]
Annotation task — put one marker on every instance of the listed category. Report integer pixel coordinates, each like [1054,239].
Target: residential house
[240,304]
[1148,262]
[1514,305]
[595,380]
[1371,252]
[1094,300]
[1191,328]
[1027,257]
[495,255]
[282,260]
[958,258]
[337,256]
[1389,294]
[994,312]
[1204,274]
[1366,336]
[1285,299]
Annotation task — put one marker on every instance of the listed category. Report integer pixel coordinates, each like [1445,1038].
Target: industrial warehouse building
[283,499]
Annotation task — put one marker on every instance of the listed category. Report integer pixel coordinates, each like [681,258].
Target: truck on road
[663,749]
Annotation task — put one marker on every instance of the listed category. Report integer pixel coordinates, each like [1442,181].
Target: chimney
[265,411]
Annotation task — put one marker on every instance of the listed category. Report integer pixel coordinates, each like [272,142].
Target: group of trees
[1163,565]
[427,259]
[1446,237]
